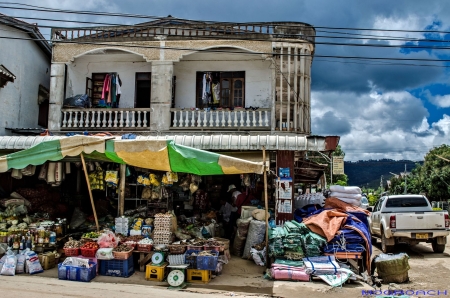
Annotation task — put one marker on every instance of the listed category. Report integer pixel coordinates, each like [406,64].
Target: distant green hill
[368,172]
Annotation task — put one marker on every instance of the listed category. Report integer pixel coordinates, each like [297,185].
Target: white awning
[214,142]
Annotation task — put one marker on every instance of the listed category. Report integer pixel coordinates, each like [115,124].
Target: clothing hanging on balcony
[216,93]
[206,90]
[111,89]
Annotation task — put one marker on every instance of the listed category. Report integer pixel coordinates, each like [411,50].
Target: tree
[436,173]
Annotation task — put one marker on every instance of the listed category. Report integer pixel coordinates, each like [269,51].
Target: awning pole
[89,188]
[123,170]
[266,205]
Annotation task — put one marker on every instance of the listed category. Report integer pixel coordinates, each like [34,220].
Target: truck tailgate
[420,221]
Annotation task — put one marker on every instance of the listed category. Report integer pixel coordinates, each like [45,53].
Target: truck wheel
[437,248]
[384,247]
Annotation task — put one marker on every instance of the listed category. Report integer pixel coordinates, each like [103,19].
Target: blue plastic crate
[208,262]
[192,261]
[67,272]
[119,268]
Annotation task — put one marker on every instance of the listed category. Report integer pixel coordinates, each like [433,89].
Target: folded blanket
[353,202]
[321,265]
[346,189]
[284,272]
[352,196]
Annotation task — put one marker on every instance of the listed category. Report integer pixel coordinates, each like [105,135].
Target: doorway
[143,90]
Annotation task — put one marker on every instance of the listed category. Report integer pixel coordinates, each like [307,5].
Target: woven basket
[144,247]
[122,255]
[177,249]
[72,252]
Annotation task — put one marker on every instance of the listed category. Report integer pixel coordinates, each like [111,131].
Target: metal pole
[266,206]
[331,173]
[405,178]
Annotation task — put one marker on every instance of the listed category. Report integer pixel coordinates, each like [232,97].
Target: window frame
[232,77]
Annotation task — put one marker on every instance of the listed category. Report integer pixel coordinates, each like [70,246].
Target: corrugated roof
[205,142]
[6,72]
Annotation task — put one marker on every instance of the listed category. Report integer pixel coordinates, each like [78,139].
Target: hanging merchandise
[51,173]
[146,193]
[153,180]
[193,187]
[155,193]
[96,179]
[112,178]
[29,170]
[17,174]
[143,179]
[43,172]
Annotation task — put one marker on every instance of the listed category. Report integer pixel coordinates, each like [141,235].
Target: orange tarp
[335,203]
[326,223]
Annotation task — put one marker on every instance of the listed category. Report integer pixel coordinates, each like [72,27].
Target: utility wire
[47,9]
[226,51]
[236,37]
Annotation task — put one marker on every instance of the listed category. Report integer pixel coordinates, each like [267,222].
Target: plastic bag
[256,233]
[77,101]
[108,240]
[104,254]
[33,265]
[20,266]
[78,218]
[146,193]
[259,256]
[2,261]
[9,267]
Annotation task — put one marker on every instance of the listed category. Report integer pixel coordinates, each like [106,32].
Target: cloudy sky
[380,108]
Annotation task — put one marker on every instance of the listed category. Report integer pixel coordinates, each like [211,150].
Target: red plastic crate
[72,252]
[88,252]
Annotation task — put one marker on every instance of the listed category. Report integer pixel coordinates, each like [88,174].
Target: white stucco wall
[126,65]
[258,76]
[19,100]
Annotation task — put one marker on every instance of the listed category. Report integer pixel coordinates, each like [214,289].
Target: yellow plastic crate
[156,273]
[198,276]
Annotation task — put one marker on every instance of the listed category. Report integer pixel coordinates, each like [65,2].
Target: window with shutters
[220,89]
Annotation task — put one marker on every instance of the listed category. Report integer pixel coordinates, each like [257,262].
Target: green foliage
[430,178]
[372,199]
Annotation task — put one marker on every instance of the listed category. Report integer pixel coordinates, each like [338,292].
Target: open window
[220,89]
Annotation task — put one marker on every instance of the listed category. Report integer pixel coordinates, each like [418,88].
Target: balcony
[105,119]
[238,119]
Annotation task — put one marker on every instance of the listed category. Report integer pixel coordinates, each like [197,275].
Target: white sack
[345,189]
[346,195]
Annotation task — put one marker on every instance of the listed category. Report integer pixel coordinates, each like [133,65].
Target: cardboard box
[47,260]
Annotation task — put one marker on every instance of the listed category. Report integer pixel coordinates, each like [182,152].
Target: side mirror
[369,209]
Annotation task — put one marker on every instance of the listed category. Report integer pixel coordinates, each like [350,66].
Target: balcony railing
[291,30]
[221,119]
[105,118]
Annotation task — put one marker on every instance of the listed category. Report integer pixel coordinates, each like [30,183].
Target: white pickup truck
[408,219]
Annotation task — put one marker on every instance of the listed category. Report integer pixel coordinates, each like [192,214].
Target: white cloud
[378,125]
[442,101]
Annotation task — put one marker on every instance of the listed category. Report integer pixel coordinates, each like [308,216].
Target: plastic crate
[198,276]
[208,262]
[192,261]
[77,273]
[119,268]
[88,252]
[195,247]
[72,252]
[156,272]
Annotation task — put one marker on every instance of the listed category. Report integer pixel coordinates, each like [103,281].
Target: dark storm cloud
[331,125]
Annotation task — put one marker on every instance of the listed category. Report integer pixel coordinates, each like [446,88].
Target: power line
[47,9]
[233,52]
[256,39]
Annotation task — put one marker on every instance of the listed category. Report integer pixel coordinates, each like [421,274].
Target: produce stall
[148,186]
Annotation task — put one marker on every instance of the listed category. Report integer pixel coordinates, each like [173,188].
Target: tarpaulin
[326,223]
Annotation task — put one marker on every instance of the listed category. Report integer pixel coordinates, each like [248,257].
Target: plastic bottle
[52,238]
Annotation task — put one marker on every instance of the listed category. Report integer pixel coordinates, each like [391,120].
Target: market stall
[153,173]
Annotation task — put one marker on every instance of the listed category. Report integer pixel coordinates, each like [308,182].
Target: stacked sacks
[292,241]
[349,194]
[345,240]
[276,236]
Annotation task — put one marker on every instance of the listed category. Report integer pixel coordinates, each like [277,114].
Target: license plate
[421,236]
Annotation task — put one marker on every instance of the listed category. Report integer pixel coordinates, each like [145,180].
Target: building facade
[25,59]
[257,77]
